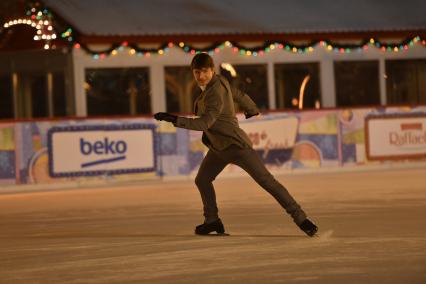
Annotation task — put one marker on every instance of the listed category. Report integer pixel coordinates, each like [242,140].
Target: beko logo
[102,151]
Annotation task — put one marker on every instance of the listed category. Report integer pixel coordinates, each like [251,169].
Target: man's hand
[248,115]
[166,117]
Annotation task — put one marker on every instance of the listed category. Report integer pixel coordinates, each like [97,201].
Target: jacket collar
[214,79]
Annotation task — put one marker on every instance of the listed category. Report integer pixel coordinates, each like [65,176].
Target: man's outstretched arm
[214,105]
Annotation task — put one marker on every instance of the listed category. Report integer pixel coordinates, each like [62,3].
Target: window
[32,98]
[60,99]
[6,96]
[41,94]
[357,83]
[181,89]
[251,79]
[297,85]
[406,81]
[39,101]
[38,84]
[118,91]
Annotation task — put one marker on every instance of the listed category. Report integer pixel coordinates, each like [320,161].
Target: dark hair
[202,60]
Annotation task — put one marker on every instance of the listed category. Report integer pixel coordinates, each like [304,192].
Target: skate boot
[308,227]
[206,228]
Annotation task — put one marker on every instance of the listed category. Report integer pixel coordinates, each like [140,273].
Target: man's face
[203,76]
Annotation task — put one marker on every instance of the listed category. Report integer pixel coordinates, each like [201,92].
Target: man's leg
[250,161]
[210,167]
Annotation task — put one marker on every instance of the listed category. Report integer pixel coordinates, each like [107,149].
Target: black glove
[248,115]
[166,117]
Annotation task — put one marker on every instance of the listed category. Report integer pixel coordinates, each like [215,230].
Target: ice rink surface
[372,230]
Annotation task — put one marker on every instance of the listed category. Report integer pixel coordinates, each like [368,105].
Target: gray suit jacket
[216,115]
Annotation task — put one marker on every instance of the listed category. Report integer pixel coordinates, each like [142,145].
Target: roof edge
[99,39]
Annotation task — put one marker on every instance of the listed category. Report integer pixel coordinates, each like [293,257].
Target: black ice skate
[207,228]
[308,227]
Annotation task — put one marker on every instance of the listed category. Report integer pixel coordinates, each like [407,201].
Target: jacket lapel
[212,81]
[196,103]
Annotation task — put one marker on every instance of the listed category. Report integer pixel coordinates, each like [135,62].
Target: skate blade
[221,235]
[324,235]
[215,235]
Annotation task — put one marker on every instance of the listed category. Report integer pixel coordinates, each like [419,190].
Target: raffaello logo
[411,134]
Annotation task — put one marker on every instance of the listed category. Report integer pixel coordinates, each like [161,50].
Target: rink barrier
[297,141]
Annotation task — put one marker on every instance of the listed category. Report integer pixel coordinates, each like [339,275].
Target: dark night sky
[10,9]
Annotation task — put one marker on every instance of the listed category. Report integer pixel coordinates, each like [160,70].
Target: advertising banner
[101,149]
[396,136]
[279,133]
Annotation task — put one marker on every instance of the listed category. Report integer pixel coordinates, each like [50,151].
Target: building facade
[73,60]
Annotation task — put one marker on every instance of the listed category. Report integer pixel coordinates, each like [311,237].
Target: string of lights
[134,49]
[43,26]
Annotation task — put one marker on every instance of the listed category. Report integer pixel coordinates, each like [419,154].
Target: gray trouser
[248,160]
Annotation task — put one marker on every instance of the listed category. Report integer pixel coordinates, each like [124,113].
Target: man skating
[227,143]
